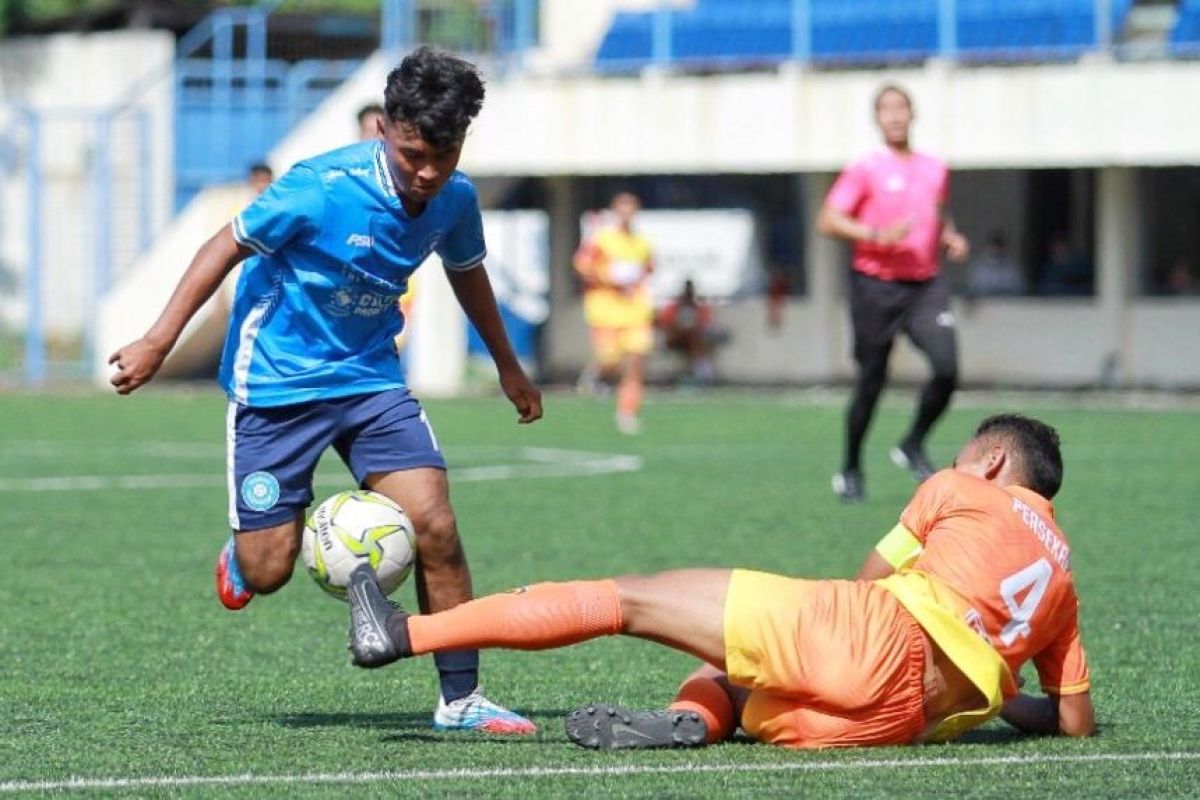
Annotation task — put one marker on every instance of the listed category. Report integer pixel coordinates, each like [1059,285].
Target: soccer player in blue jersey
[310,360]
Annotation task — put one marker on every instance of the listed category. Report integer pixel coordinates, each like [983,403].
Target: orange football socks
[702,694]
[536,617]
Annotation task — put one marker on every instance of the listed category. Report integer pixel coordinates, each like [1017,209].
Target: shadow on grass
[405,726]
[992,736]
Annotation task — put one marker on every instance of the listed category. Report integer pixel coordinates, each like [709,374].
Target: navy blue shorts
[272,452]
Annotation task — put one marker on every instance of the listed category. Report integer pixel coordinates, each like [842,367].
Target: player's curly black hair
[1036,446]
[437,92]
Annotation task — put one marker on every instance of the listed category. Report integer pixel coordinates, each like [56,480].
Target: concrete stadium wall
[1094,113]
[67,80]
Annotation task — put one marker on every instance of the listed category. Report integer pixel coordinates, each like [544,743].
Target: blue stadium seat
[628,41]
[873,30]
[869,31]
[1031,29]
[1185,36]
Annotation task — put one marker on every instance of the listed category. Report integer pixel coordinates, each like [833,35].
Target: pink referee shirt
[884,189]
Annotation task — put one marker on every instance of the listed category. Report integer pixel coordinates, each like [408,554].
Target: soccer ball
[358,527]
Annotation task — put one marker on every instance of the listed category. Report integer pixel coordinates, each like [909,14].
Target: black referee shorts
[879,310]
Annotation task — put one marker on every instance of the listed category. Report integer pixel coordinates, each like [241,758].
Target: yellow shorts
[611,344]
[609,308]
[829,663]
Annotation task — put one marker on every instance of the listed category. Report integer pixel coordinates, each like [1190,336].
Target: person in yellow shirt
[615,265]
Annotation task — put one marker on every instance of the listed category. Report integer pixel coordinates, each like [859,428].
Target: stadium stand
[1185,37]
[717,32]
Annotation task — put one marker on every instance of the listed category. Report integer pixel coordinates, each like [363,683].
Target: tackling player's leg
[682,609]
[443,581]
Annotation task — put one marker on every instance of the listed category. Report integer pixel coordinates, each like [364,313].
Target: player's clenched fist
[136,364]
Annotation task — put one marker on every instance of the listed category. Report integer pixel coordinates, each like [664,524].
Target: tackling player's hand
[521,392]
[136,365]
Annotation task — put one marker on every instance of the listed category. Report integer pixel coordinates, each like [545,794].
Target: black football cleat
[617,728]
[912,458]
[377,635]
[848,485]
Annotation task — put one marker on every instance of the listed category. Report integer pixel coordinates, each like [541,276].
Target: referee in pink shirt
[891,205]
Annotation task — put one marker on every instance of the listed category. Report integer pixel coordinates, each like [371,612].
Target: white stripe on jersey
[245,351]
[468,265]
[242,237]
[383,173]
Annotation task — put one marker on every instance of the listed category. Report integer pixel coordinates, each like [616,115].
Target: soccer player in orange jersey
[973,581]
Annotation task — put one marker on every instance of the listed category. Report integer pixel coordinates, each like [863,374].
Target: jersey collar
[383,176]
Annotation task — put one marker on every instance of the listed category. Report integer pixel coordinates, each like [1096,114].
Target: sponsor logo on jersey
[360,240]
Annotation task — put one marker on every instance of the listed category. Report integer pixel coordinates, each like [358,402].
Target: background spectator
[995,273]
[1066,271]
[369,117]
[687,324]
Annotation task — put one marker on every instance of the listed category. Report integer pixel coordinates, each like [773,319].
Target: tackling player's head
[1014,449]
[430,101]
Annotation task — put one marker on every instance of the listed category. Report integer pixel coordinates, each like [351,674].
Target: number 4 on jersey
[1032,581]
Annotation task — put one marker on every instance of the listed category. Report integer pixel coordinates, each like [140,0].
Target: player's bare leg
[443,581]
[257,562]
[629,393]
[682,609]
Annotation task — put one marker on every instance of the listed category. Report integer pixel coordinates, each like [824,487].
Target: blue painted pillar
[256,112]
[222,66]
[802,31]
[947,24]
[102,255]
[145,233]
[1102,13]
[660,44]
[398,26]
[35,343]
[526,25]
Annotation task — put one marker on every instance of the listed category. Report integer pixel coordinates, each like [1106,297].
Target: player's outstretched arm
[138,361]
[1065,715]
[474,293]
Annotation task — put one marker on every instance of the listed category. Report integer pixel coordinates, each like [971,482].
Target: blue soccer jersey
[316,310]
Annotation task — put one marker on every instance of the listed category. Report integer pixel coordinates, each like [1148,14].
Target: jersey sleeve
[463,246]
[934,498]
[943,195]
[1062,667]
[290,208]
[849,190]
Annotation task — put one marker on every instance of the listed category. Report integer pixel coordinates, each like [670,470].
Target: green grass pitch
[117,662]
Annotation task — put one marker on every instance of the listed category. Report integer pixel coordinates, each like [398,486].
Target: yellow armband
[900,547]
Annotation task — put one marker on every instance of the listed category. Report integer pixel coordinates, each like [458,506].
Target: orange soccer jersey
[995,558]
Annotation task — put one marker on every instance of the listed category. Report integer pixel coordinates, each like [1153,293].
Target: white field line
[537,462]
[434,775]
